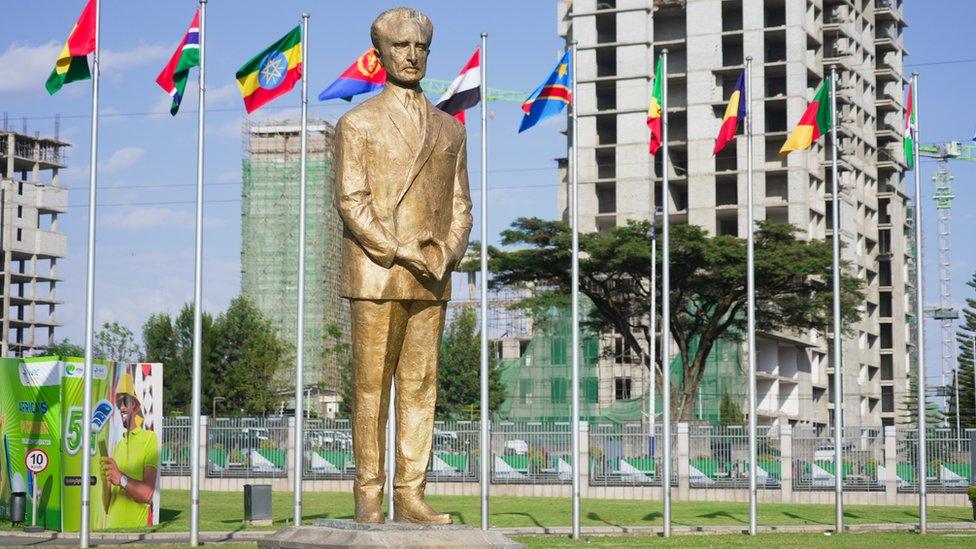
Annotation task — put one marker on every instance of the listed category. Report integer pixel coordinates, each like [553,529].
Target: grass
[765,541]
[224,511]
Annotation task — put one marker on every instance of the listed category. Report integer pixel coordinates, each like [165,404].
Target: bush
[972,494]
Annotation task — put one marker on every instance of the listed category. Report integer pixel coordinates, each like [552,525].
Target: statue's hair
[382,20]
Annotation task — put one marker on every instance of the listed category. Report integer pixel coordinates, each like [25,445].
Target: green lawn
[765,541]
[224,511]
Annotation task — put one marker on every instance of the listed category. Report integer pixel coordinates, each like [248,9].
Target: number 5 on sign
[36,460]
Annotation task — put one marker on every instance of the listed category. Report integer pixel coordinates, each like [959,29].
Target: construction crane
[944,312]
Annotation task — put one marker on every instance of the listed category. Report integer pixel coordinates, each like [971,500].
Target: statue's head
[402,38]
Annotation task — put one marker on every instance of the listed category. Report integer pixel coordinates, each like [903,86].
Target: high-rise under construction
[30,241]
[792,43]
[269,245]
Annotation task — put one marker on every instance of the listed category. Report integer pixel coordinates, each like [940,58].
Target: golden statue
[402,192]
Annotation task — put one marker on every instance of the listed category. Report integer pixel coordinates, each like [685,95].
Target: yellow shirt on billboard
[137,450]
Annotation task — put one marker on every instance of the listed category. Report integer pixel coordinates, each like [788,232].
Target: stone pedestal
[346,533]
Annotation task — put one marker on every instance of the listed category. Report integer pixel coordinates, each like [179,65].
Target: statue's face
[403,53]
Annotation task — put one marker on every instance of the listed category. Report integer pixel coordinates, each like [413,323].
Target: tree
[171,342]
[708,277]
[458,374]
[965,336]
[729,411]
[66,348]
[116,342]
[247,354]
[909,407]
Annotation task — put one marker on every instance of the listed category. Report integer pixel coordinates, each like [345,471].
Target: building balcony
[44,244]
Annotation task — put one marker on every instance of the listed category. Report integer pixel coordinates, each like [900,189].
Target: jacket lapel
[430,137]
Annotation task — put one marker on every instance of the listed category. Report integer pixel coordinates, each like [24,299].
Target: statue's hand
[438,258]
[410,256]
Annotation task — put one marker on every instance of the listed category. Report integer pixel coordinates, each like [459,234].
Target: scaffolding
[269,241]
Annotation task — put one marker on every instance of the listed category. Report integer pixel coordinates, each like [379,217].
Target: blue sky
[146,157]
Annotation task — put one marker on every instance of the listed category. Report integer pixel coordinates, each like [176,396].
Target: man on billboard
[130,474]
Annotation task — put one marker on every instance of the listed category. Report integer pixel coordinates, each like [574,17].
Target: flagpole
[838,341]
[300,346]
[390,450]
[922,472]
[90,296]
[665,302]
[574,175]
[485,443]
[198,298]
[651,405]
[751,299]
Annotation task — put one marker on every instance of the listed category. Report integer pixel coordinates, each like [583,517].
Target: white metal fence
[618,455]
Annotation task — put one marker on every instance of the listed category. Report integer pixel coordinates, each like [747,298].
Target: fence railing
[719,457]
[626,455]
[862,466]
[247,448]
[618,454]
[949,466]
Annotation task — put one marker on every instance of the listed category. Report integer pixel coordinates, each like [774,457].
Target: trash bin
[18,507]
[257,504]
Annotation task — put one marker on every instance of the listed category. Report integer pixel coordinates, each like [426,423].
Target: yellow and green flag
[72,62]
[814,122]
[272,72]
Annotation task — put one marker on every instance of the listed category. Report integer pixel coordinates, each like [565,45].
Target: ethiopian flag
[814,122]
[654,109]
[72,63]
[910,132]
[272,72]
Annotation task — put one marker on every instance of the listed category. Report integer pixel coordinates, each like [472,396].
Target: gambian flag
[465,91]
[72,63]
[654,119]
[734,112]
[910,132]
[814,122]
[272,72]
[363,76]
[175,73]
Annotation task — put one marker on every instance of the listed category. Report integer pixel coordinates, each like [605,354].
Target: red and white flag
[465,91]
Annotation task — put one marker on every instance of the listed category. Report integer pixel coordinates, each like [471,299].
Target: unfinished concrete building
[793,43]
[30,241]
[269,245]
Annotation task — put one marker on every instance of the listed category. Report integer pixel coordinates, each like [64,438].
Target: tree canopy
[708,285]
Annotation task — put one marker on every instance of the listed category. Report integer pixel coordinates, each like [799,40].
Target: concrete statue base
[346,533]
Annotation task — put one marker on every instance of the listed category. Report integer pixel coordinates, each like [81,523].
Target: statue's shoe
[369,510]
[414,509]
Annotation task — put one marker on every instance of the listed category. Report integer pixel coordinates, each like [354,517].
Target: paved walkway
[13,538]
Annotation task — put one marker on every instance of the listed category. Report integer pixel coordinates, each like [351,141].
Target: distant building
[269,242]
[793,43]
[30,241]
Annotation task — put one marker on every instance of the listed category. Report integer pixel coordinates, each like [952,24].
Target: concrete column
[786,462]
[682,451]
[890,465]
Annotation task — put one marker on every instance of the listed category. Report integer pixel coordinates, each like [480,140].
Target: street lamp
[215,399]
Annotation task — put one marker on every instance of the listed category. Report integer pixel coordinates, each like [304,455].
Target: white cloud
[126,157]
[232,176]
[150,217]
[28,67]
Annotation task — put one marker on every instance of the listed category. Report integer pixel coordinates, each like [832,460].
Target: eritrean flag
[734,112]
[272,72]
[72,63]
[187,55]
[654,119]
[551,97]
[363,76]
[814,122]
[910,131]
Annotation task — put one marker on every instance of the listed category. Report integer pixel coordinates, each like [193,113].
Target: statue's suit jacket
[391,188]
